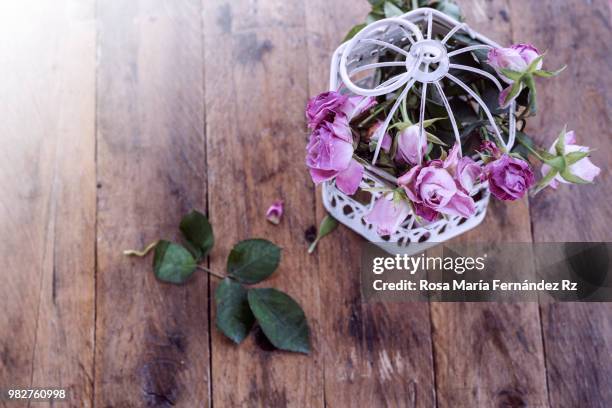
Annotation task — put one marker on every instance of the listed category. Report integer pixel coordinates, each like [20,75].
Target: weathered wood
[47,190]
[256,82]
[375,354]
[490,354]
[577,337]
[152,338]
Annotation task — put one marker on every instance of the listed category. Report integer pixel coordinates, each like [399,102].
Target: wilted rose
[330,155]
[325,107]
[509,178]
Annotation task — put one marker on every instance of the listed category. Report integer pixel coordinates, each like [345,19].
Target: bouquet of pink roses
[436,120]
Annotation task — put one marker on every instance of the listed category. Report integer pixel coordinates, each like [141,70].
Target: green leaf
[575,157]
[372,17]
[281,319]
[434,139]
[567,176]
[548,74]
[451,9]
[532,93]
[427,123]
[517,87]
[557,163]
[353,31]
[253,260]
[560,144]
[198,233]
[234,317]
[172,262]
[545,181]
[534,64]
[513,75]
[328,224]
[391,10]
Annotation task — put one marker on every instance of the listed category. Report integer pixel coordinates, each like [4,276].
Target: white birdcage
[420,39]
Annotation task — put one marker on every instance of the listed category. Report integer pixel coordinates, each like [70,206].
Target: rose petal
[461,205]
[275,212]
[388,214]
[348,180]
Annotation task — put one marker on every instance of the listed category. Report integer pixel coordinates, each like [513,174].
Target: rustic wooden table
[117,117]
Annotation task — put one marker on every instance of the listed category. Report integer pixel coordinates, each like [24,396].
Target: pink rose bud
[275,212]
[388,214]
[516,58]
[374,136]
[583,168]
[411,146]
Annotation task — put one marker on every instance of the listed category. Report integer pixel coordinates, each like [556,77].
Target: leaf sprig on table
[238,306]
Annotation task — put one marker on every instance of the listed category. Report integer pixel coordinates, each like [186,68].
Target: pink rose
[330,149]
[509,177]
[409,146]
[433,189]
[325,107]
[388,214]
[468,174]
[330,155]
[516,58]
[583,168]
[374,136]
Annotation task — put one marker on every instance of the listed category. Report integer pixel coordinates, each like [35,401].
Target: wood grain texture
[256,88]
[578,337]
[490,354]
[152,346]
[119,117]
[375,354]
[47,196]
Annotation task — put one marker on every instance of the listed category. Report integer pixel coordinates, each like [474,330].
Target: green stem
[415,4]
[140,254]
[531,149]
[215,274]
[313,246]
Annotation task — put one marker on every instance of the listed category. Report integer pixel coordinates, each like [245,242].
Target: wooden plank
[256,84]
[152,344]
[376,354]
[490,354]
[47,190]
[578,337]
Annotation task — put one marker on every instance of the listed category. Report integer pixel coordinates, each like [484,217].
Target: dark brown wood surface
[119,117]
